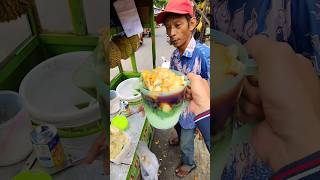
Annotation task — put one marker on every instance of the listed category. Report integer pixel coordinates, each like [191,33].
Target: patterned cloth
[244,164]
[202,121]
[195,59]
[294,21]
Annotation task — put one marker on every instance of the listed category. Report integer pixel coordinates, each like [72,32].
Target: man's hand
[96,149]
[289,93]
[198,93]
[250,107]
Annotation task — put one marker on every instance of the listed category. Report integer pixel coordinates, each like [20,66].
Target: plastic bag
[148,162]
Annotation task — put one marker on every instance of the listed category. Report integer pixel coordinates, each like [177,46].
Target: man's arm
[199,95]
[202,121]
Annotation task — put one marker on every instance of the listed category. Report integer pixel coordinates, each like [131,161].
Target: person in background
[189,56]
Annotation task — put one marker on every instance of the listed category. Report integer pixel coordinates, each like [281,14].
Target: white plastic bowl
[127,90]
[50,95]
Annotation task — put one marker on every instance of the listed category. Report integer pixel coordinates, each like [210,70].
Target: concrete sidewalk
[169,157]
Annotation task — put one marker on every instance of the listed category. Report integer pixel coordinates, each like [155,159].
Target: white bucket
[127,90]
[15,129]
[114,102]
[52,97]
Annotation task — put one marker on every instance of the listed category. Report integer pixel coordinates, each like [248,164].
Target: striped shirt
[202,121]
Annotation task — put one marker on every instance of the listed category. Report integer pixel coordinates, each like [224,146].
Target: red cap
[177,7]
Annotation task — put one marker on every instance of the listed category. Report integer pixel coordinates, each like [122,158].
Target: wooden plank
[53,50]
[33,18]
[129,74]
[121,77]
[19,55]
[78,17]
[153,38]
[68,39]
[133,62]
[12,82]
[116,80]
[120,67]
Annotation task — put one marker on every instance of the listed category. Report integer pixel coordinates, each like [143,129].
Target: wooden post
[153,37]
[78,17]
[133,62]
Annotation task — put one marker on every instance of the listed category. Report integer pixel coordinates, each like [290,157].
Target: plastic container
[51,96]
[114,102]
[47,145]
[15,129]
[226,95]
[128,90]
[163,109]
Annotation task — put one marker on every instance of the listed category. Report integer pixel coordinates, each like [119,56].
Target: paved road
[169,157]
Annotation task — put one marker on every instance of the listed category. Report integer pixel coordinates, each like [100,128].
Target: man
[189,56]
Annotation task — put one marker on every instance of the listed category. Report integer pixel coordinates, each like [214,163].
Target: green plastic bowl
[163,109]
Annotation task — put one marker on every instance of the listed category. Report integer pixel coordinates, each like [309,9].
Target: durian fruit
[134,41]
[106,49]
[104,37]
[12,9]
[124,45]
[114,55]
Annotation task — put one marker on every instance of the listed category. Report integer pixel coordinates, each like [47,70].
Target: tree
[160,3]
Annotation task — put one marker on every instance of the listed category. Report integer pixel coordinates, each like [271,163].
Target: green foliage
[160,3]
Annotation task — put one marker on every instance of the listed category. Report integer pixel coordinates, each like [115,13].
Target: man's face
[179,30]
